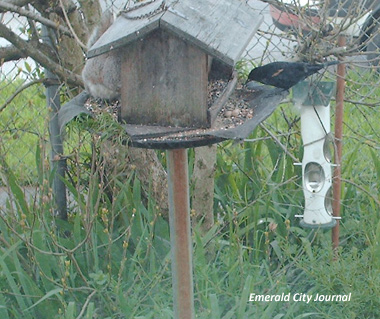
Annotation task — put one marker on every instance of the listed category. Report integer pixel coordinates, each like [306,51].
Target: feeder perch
[314,102]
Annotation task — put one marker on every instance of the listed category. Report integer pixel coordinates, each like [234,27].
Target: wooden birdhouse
[166,49]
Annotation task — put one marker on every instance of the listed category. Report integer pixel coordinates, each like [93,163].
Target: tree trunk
[203,191]
[152,176]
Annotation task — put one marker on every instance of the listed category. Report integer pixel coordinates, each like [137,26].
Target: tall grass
[111,258]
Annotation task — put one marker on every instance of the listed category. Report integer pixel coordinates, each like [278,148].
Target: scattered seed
[236,112]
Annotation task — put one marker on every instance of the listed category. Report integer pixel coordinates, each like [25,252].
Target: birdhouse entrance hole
[164,82]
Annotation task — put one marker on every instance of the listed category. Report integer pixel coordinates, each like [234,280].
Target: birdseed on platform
[235,112]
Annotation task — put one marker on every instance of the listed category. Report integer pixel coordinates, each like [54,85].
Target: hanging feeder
[314,103]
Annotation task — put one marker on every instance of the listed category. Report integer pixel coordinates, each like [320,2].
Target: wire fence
[362,76]
[23,110]
[24,114]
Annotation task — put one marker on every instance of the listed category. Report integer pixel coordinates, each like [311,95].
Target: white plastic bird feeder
[317,162]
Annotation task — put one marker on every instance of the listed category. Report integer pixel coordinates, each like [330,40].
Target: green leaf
[244,297]
[376,162]
[48,295]
[3,308]
[17,192]
[28,67]
[215,311]
[90,311]
[309,314]
[70,311]
[14,287]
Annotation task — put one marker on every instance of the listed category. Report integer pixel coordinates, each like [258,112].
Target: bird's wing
[278,72]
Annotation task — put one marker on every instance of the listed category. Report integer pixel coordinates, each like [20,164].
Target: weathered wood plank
[146,131]
[164,82]
[221,28]
[122,32]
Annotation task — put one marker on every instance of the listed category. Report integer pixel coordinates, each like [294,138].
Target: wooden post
[180,234]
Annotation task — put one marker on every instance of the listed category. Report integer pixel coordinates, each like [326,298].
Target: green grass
[111,258]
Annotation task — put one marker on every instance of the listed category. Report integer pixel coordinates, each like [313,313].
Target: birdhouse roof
[222,28]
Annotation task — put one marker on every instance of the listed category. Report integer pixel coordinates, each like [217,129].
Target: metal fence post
[339,111]
[58,163]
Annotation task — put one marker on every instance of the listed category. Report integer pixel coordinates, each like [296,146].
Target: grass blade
[244,297]
[47,295]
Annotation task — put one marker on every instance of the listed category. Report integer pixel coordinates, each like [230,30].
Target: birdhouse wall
[164,82]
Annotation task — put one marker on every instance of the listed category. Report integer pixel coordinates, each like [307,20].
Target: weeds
[111,258]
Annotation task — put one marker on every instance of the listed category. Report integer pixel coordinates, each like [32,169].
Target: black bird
[284,75]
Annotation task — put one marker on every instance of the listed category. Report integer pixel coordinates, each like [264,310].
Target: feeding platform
[173,53]
[235,112]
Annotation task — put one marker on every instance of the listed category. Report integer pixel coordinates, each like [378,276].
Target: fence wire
[362,76]
[23,111]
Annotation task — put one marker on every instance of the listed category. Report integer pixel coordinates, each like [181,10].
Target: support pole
[340,86]
[180,234]
[58,163]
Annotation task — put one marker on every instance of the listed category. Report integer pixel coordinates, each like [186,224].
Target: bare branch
[92,12]
[284,148]
[18,91]
[10,53]
[348,181]
[19,3]
[85,305]
[34,32]
[71,27]
[28,49]
[29,14]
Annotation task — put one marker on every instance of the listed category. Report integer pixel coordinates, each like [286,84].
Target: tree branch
[18,91]
[34,31]
[28,49]
[70,26]
[19,3]
[348,181]
[284,148]
[92,12]
[10,53]
[29,14]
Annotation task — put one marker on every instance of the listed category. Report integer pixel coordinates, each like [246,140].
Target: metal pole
[180,234]
[58,163]
[340,86]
